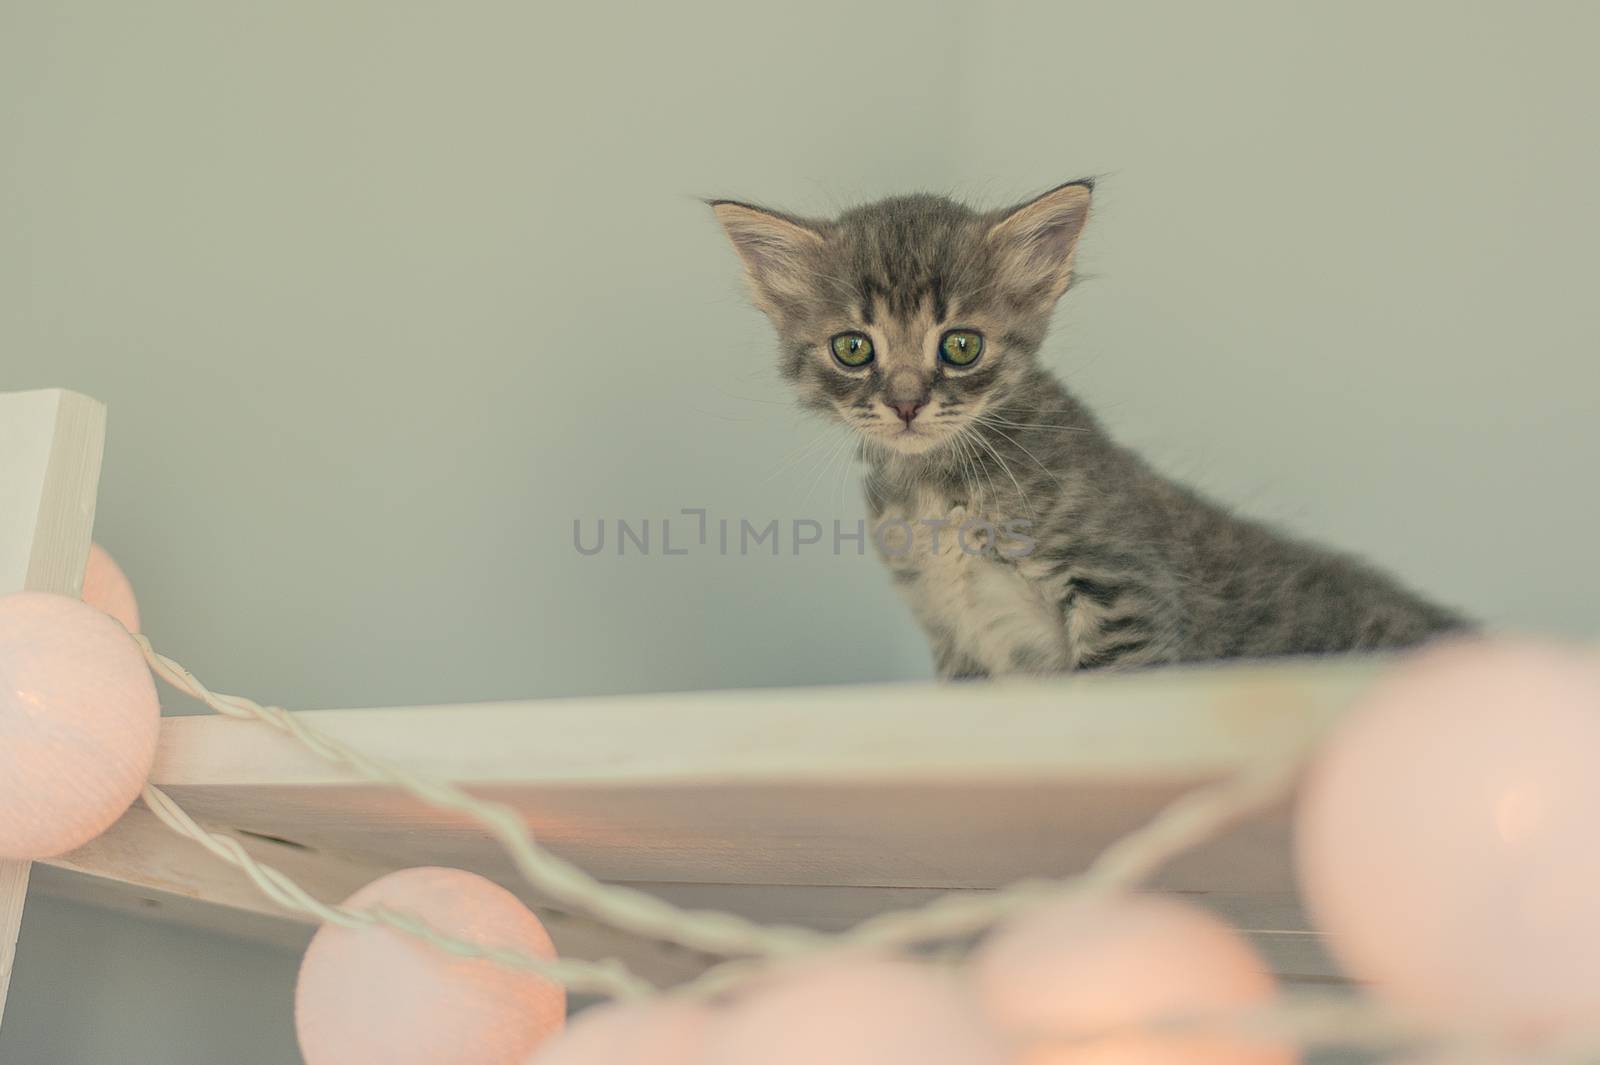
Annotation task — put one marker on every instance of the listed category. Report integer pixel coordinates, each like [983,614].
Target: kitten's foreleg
[955,664]
[1118,622]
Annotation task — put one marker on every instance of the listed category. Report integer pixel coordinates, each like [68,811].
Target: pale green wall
[383,295]
[1346,259]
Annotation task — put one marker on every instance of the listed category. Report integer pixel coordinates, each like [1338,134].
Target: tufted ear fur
[776,250]
[1038,240]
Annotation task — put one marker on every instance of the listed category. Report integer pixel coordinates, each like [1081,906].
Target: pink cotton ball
[78,723]
[107,588]
[1446,837]
[377,996]
[1086,965]
[653,1033]
[866,1012]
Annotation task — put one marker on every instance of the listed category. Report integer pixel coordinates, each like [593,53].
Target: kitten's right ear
[775,249]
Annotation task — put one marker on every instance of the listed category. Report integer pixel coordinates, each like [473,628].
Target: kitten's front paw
[948,535]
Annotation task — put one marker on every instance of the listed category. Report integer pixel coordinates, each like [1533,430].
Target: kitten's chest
[979,610]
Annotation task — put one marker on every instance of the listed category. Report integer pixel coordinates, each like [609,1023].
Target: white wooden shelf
[817,806]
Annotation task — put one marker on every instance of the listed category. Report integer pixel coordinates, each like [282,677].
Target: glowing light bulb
[865,1012]
[652,1033]
[1446,837]
[107,588]
[78,723]
[376,996]
[1087,966]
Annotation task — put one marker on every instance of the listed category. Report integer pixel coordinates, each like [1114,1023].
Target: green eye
[852,349]
[961,347]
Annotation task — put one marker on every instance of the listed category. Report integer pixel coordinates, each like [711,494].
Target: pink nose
[908,409]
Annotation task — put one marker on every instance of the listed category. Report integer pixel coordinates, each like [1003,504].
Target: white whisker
[1048,472]
[1023,496]
[1045,426]
[816,444]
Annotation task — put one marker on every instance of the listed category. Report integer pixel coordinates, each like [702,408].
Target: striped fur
[1129,567]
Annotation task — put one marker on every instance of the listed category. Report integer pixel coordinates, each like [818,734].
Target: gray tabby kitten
[918,322]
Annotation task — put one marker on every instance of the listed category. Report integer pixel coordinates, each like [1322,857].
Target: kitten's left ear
[776,251]
[1039,239]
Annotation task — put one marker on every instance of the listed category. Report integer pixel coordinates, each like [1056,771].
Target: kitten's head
[910,317]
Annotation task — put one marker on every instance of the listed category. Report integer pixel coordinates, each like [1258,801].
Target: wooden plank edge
[1178,725]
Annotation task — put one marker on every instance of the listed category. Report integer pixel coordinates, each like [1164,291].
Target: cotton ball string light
[107,588]
[652,1033]
[1089,965]
[1446,837]
[865,1012]
[78,724]
[377,996]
